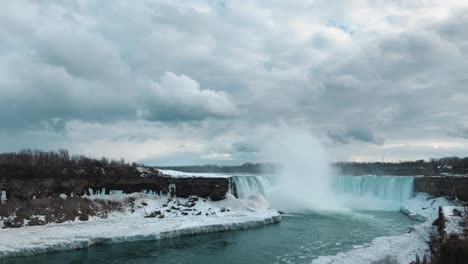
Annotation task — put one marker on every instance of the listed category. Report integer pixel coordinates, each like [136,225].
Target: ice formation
[140,222]
[174,173]
[404,247]
[3,196]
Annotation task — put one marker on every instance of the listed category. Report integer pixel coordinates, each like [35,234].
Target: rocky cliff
[25,183]
[37,195]
[452,186]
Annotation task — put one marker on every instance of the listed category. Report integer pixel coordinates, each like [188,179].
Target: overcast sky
[207,81]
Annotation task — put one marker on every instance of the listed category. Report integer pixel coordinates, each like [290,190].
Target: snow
[454,218]
[423,207]
[137,223]
[404,247]
[181,174]
[144,172]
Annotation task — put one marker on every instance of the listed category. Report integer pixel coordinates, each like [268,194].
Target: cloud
[217,156]
[245,147]
[217,74]
[180,97]
[356,134]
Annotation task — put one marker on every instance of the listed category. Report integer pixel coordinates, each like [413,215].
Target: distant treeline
[449,165]
[62,158]
[56,158]
[244,168]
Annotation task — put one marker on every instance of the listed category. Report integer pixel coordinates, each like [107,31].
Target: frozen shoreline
[404,247]
[181,174]
[126,227]
[136,223]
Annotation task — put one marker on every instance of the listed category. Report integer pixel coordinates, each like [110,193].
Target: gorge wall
[452,186]
[38,195]
[26,183]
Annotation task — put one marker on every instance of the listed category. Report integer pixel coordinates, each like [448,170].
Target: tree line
[244,168]
[61,157]
[452,165]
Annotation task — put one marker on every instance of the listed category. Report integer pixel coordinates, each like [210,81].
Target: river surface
[299,238]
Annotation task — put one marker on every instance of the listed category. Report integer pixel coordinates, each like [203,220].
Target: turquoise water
[299,238]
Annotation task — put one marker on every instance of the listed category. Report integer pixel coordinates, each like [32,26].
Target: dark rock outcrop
[17,213]
[452,186]
[29,182]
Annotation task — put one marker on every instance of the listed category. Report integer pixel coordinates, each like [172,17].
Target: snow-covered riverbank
[149,218]
[403,247]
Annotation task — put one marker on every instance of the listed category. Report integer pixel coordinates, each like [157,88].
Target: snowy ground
[149,218]
[454,220]
[174,173]
[404,247]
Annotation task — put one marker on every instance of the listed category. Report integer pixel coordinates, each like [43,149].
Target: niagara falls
[234,132]
[291,210]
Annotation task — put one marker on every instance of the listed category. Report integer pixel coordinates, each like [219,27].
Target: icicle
[116,192]
[3,197]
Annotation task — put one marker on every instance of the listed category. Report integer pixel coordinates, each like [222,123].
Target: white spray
[303,180]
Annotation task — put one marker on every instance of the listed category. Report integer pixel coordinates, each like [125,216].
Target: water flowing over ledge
[387,188]
[247,185]
[353,192]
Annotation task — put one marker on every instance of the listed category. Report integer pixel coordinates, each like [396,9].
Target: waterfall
[387,188]
[373,192]
[354,192]
[247,185]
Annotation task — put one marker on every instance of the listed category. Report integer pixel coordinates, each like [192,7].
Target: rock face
[22,183]
[452,186]
[36,195]
[452,221]
[16,213]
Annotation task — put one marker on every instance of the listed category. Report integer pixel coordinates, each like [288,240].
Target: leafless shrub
[451,250]
[55,158]
[387,260]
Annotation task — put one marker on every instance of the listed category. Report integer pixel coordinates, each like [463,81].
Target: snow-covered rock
[141,220]
[181,174]
[454,220]
[424,207]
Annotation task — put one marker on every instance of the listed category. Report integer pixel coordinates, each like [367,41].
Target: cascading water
[387,188]
[353,192]
[373,192]
[247,185]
